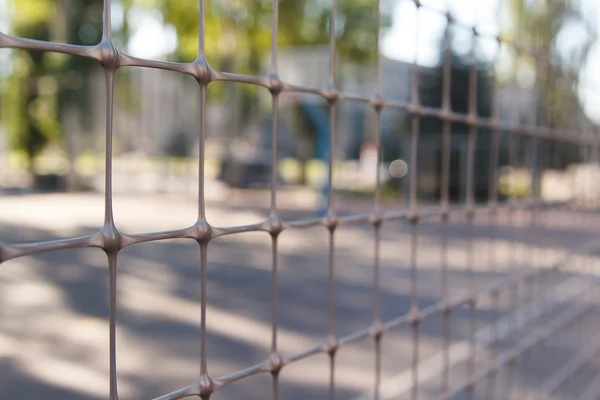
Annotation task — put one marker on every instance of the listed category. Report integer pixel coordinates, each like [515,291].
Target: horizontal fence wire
[524,287]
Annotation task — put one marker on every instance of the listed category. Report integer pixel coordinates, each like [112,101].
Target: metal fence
[529,291]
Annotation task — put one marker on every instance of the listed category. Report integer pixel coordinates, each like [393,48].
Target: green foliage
[42,84]
[539,27]
[515,183]
[238,33]
[27,113]
[242,29]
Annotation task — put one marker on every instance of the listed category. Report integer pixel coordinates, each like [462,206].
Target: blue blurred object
[319,118]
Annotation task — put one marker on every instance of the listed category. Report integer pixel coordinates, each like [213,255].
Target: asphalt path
[54,306]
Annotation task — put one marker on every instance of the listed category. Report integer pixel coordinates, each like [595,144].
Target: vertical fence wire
[492,221]
[470,205]
[376,218]
[414,218]
[445,203]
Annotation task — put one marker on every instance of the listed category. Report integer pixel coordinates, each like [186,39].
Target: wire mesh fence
[487,209]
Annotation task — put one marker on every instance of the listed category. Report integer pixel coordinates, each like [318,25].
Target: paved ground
[53,307]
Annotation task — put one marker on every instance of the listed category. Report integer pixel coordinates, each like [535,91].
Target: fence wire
[528,291]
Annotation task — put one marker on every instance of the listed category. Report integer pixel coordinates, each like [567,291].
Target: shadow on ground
[54,310]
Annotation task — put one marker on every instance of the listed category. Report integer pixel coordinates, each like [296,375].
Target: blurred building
[157,114]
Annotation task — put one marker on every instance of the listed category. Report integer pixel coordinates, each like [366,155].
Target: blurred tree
[244,27]
[560,36]
[30,112]
[239,32]
[42,85]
